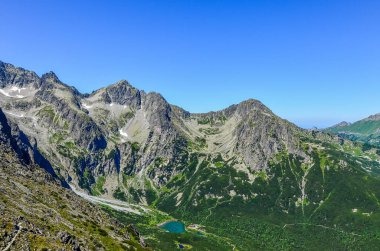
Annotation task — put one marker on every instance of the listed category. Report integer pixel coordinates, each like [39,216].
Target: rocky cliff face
[250,131]
[10,75]
[37,212]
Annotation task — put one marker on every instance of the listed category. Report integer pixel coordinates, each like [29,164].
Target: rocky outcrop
[37,213]
[122,93]
[10,75]
[375,117]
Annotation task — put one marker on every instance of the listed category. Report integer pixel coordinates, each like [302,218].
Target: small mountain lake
[176,227]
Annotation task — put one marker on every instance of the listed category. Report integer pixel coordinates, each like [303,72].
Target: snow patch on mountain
[14,114]
[7,93]
[124,134]
[86,106]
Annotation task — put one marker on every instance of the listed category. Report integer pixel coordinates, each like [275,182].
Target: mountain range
[366,130]
[241,178]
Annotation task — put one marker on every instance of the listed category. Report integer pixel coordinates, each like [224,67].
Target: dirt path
[14,238]
[115,204]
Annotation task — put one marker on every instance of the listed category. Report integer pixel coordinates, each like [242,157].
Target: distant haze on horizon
[314,63]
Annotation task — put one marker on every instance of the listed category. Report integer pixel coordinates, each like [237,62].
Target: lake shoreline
[173,226]
[167,221]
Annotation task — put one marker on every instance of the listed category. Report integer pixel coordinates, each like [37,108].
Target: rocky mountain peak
[342,124]
[50,76]
[50,80]
[374,117]
[252,105]
[121,93]
[16,76]
[243,109]
[121,83]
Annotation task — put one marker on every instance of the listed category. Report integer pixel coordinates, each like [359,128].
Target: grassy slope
[43,209]
[365,127]
[366,131]
[271,212]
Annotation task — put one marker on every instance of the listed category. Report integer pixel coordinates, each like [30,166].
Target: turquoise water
[176,227]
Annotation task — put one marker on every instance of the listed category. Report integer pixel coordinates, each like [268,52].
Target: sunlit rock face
[119,130]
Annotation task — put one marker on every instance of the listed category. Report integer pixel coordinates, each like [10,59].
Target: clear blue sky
[313,62]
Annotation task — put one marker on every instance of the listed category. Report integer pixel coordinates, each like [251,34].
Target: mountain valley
[241,178]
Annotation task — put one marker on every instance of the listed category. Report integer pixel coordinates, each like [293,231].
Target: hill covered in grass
[366,130]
